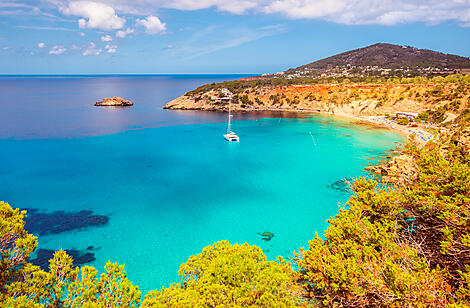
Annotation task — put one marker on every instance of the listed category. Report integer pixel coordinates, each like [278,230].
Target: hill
[382,59]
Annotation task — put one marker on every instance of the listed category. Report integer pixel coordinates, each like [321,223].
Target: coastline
[422,136]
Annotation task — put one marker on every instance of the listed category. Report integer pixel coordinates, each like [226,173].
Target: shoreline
[421,136]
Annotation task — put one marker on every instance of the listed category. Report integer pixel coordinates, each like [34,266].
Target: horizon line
[128,74]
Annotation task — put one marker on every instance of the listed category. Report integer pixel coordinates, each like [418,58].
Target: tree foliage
[364,262]
[226,275]
[400,246]
[15,244]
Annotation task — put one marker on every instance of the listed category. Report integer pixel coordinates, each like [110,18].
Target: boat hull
[232,137]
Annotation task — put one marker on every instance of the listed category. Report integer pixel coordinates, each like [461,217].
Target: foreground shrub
[409,245]
[363,262]
[226,275]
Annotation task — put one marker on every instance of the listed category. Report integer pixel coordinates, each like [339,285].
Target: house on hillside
[223,96]
[409,115]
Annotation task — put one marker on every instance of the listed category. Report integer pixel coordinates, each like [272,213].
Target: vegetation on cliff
[434,98]
[238,86]
[407,245]
[388,246]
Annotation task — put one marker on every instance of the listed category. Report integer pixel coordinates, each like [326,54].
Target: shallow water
[172,190]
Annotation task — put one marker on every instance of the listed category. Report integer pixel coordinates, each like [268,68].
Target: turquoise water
[170,191]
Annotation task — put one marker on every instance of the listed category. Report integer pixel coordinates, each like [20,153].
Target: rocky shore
[398,170]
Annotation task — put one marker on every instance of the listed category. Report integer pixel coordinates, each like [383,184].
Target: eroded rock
[398,170]
[114,101]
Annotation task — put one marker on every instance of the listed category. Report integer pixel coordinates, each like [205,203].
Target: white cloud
[106,38]
[81,33]
[356,12]
[152,25]
[237,7]
[111,48]
[6,47]
[123,34]
[95,15]
[41,45]
[384,12]
[92,50]
[57,50]
[143,7]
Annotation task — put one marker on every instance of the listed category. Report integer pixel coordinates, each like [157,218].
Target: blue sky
[214,36]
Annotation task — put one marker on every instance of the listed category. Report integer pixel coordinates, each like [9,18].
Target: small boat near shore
[230,136]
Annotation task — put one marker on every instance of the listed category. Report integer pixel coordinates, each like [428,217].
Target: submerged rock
[114,101]
[267,236]
[57,222]
[342,185]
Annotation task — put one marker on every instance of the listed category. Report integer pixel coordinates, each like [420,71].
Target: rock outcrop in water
[114,101]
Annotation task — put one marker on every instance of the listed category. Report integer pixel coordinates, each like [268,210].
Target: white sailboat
[230,136]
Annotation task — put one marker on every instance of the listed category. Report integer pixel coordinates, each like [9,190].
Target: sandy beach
[419,133]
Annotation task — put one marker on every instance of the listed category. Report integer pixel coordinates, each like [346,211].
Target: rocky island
[114,102]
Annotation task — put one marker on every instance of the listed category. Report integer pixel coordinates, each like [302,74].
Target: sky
[215,36]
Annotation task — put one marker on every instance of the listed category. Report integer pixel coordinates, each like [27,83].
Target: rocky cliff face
[398,170]
[353,99]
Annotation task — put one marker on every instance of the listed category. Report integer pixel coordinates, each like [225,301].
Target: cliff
[357,99]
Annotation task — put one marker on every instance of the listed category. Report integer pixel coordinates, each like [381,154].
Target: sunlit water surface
[166,183]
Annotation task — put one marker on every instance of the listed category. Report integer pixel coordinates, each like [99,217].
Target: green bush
[226,275]
[403,121]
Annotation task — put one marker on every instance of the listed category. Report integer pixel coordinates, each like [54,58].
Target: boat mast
[229,116]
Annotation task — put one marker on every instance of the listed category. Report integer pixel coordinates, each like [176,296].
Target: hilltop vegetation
[392,56]
[382,59]
[238,86]
[406,245]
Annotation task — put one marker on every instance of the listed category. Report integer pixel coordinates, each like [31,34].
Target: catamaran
[230,136]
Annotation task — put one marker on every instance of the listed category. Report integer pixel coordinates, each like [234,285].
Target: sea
[148,187]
